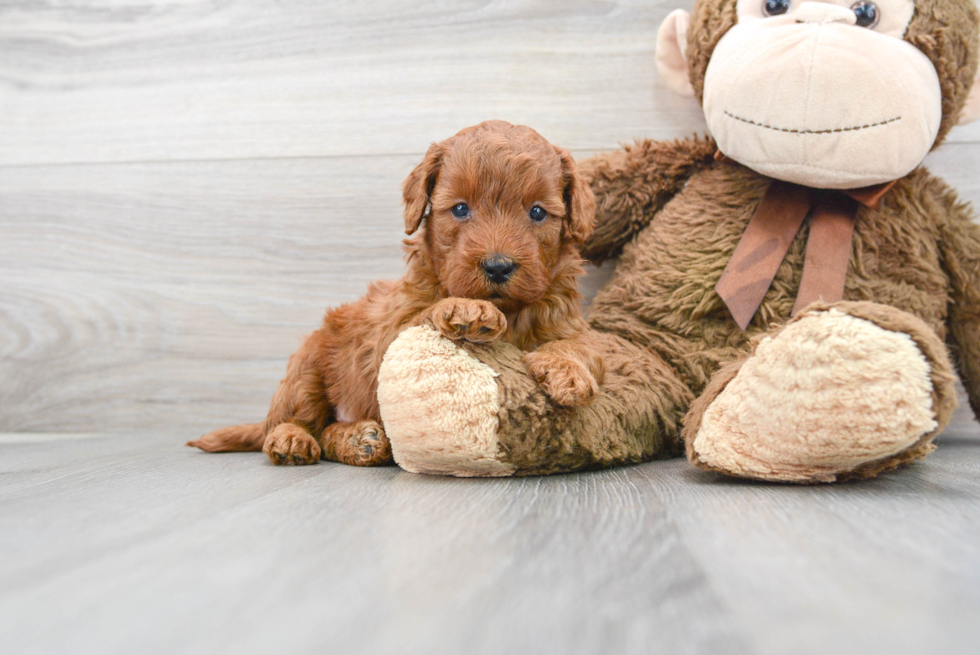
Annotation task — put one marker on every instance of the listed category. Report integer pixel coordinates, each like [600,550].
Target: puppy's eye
[538,214]
[461,210]
[867,14]
[775,7]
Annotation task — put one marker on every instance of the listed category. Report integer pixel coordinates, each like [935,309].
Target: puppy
[497,215]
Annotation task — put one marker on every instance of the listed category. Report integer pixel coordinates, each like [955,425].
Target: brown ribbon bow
[773,227]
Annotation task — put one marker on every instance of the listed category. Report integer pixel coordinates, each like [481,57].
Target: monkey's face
[823,93]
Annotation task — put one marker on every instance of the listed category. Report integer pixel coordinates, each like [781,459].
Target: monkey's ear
[672,53]
[579,199]
[971,109]
[418,187]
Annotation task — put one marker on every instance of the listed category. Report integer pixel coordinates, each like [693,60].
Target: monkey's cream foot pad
[439,406]
[826,395]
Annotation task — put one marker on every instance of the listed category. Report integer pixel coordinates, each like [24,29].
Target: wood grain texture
[114,545]
[171,294]
[202,79]
[162,292]
[237,170]
[152,81]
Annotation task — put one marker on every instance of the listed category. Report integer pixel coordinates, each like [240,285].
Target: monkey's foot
[439,405]
[848,390]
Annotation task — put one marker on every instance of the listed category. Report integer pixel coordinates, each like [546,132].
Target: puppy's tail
[237,438]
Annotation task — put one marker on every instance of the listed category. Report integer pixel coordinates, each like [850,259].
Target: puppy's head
[504,212]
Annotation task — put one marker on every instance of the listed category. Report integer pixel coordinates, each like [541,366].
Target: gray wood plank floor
[110,544]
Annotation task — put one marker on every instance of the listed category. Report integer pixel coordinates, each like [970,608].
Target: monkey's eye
[775,7]
[538,214]
[461,210]
[867,14]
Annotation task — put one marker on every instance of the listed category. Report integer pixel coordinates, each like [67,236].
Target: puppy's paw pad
[372,446]
[466,319]
[290,445]
[367,445]
[567,381]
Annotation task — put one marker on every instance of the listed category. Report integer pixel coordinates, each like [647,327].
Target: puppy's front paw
[466,319]
[291,445]
[566,380]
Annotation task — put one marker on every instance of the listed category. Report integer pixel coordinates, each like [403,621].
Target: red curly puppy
[504,213]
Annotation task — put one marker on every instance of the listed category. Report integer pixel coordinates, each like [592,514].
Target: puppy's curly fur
[497,215]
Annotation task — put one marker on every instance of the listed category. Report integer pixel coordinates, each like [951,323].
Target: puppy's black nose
[498,268]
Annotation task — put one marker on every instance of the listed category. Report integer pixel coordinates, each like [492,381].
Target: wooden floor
[115,544]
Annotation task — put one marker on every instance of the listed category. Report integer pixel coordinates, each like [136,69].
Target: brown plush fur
[624,423]
[663,293]
[635,183]
[327,406]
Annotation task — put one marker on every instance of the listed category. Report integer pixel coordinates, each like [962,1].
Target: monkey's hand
[632,184]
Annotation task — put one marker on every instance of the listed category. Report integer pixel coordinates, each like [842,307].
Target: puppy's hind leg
[291,445]
[300,408]
[361,443]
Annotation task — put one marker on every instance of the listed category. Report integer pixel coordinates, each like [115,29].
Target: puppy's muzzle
[498,268]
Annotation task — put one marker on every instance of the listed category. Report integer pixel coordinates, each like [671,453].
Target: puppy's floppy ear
[418,187]
[579,199]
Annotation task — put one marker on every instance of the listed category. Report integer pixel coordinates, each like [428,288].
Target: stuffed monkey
[791,292]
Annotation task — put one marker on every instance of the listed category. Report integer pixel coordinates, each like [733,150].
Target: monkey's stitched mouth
[837,130]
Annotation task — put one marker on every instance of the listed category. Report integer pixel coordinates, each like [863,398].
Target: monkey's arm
[961,250]
[632,184]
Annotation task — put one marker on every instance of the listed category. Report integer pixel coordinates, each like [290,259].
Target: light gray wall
[186,185]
